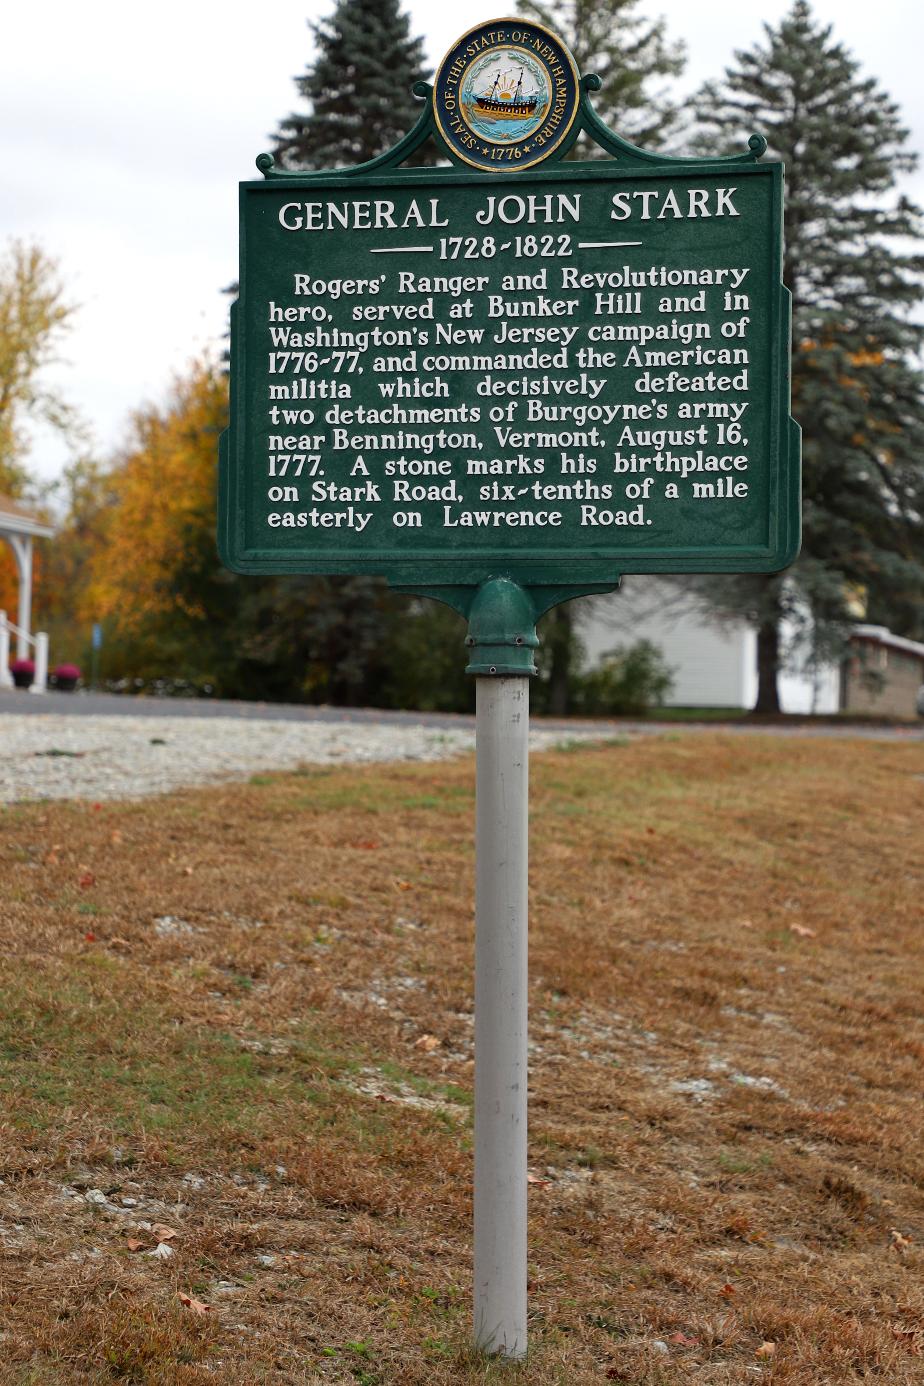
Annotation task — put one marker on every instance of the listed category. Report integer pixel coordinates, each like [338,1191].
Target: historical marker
[570,370]
[505,383]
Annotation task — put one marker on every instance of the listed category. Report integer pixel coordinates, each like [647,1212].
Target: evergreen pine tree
[335,638]
[629,53]
[854,272]
[358,88]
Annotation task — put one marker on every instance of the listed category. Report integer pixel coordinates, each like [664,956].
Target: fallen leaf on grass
[134,1244]
[195,1305]
[86,878]
[367,846]
[766,1350]
[899,1243]
[162,1232]
[403,885]
[683,1340]
[801,930]
[539,1183]
[912,1339]
[427,1043]
[89,938]
[747,923]
[728,1290]
[115,835]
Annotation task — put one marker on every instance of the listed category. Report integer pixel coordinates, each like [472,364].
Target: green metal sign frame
[505,585]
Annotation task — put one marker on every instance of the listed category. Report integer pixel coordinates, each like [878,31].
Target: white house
[712,666]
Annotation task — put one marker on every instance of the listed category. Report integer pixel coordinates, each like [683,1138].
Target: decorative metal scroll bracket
[587,121]
[502,618]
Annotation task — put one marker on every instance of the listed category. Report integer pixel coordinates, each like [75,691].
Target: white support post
[40,681]
[501,814]
[6,678]
[22,548]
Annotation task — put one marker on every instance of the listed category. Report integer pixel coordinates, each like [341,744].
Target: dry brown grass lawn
[245,1013]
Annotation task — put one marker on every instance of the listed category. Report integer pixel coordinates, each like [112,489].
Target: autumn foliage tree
[138,554]
[153,575]
[84,492]
[34,314]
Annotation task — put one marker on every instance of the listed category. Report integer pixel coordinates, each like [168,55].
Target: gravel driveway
[113,757]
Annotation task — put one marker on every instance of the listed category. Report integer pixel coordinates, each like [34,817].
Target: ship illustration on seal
[506,96]
[508,105]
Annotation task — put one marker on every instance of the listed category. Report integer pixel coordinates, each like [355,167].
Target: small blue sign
[97,638]
[506,95]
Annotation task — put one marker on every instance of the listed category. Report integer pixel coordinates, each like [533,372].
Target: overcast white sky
[125,128]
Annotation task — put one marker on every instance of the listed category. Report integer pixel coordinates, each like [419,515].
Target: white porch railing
[39,643]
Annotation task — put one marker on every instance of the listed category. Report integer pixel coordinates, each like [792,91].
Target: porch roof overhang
[19,519]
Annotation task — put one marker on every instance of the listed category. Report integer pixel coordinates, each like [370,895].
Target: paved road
[115,705]
[111,704]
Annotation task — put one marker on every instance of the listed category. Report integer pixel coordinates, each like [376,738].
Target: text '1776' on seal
[506,95]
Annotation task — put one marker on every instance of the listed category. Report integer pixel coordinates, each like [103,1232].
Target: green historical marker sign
[556,372]
[505,383]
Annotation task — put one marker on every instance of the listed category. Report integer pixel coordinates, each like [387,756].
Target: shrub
[627,681]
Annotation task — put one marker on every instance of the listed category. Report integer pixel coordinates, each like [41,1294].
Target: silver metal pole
[501,833]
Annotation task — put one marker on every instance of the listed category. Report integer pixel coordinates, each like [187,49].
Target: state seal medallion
[506,95]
